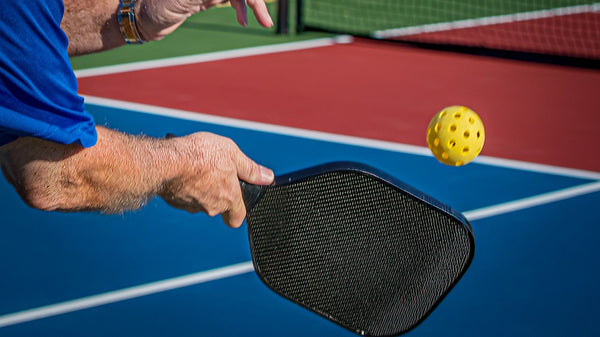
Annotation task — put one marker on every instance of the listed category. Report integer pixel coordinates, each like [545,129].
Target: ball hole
[457,115]
[465,150]
[443,113]
[467,134]
[452,127]
[451,143]
[478,134]
[445,155]
[438,127]
[471,120]
[436,142]
[459,163]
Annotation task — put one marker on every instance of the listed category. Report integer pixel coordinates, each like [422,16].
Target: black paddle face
[364,251]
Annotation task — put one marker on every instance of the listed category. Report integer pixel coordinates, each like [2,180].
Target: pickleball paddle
[356,246]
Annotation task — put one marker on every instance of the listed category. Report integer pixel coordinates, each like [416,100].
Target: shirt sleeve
[38,88]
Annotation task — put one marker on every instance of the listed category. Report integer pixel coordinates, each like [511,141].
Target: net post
[282,17]
[300,28]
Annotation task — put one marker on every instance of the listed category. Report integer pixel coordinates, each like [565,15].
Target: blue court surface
[163,272]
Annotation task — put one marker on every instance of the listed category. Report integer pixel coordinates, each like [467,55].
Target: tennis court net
[556,27]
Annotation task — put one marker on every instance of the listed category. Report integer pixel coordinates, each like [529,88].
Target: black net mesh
[356,250]
[553,27]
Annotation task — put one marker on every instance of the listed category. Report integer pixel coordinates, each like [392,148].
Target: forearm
[91,25]
[119,173]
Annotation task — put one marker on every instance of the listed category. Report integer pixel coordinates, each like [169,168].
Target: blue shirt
[38,89]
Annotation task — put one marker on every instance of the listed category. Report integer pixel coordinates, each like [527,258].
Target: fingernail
[266,174]
[270,21]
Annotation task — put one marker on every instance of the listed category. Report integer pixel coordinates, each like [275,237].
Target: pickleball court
[531,196]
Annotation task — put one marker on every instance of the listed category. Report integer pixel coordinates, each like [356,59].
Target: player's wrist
[129,24]
[167,163]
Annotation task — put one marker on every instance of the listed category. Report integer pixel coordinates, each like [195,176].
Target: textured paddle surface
[357,250]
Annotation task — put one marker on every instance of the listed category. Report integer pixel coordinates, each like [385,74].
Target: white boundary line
[541,168]
[533,201]
[246,267]
[125,294]
[331,137]
[486,21]
[215,56]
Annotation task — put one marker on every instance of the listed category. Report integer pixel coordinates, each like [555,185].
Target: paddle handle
[251,194]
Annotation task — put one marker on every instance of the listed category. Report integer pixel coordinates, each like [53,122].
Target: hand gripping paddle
[356,246]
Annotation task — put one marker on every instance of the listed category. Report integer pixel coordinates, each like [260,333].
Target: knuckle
[253,170]
[192,210]
[38,202]
[212,213]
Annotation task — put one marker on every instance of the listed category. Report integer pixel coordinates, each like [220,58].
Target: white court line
[125,294]
[215,56]
[533,201]
[486,21]
[246,267]
[331,137]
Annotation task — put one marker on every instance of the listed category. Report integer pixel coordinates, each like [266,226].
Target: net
[558,27]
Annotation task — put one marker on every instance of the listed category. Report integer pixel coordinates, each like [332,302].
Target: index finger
[260,11]
[234,217]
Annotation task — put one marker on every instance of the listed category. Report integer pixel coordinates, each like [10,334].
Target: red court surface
[532,112]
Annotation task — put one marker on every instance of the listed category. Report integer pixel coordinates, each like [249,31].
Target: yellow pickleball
[455,135]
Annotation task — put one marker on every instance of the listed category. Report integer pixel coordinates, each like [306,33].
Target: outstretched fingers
[258,7]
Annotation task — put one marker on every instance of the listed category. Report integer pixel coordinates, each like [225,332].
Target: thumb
[253,173]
